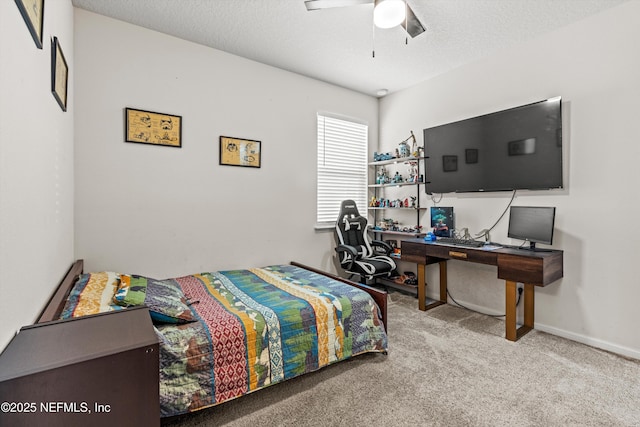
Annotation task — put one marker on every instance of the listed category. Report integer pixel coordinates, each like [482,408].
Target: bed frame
[146,402]
[56,303]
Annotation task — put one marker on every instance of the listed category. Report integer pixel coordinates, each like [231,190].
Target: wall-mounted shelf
[393,184]
[390,208]
[396,160]
[400,286]
[400,233]
[379,190]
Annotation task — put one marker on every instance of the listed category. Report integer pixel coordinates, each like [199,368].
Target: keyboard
[460,242]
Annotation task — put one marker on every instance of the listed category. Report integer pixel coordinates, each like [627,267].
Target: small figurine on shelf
[413,171]
[406,203]
[414,145]
[397,178]
[382,177]
[378,157]
[403,149]
[388,223]
[374,202]
[413,201]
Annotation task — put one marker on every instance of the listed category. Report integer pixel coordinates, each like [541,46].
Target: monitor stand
[532,248]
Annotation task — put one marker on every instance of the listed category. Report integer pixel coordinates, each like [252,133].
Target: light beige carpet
[448,367]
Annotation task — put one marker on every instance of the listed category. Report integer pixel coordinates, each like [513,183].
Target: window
[342,167]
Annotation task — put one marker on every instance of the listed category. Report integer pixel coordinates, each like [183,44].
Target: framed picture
[32,12]
[147,127]
[471,155]
[239,152]
[442,220]
[59,74]
[449,163]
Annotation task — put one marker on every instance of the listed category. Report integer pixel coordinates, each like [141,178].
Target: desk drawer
[418,252]
[540,270]
[463,254]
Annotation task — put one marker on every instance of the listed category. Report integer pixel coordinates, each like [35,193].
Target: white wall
[164,211]
[593,65]
[36,166]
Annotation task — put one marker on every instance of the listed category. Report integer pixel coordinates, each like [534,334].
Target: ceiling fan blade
[412,25]
[325,4]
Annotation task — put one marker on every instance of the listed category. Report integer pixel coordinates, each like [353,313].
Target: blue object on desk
[430,237]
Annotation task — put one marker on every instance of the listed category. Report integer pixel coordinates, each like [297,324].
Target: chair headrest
[349,216]
[348,208]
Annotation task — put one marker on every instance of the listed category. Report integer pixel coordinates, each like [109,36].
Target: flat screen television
[533,224]
[518,148]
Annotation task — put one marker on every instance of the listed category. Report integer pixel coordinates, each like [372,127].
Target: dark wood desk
[514,266]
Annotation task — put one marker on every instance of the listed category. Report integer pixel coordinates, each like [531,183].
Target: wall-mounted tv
[518,148]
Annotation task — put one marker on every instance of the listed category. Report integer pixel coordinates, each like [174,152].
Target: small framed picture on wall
[32,12]
[240,152]
[59,74]
[148,127]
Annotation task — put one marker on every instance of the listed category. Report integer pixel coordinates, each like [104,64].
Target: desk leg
[529,306]
[443,281]
[422,288]
[512,332]
[510,310]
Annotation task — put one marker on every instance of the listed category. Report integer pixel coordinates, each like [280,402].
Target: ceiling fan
[386,13]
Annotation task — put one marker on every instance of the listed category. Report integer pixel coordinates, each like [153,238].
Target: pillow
[131,291]
[165,300]
[91,294]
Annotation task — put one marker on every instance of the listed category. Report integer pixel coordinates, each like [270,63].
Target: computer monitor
[532,223]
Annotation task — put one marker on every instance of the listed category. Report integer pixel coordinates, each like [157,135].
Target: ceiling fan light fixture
[389,13]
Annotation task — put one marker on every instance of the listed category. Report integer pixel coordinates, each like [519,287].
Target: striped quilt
[259,327]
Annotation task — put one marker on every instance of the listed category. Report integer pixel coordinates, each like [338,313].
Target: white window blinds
[342,167]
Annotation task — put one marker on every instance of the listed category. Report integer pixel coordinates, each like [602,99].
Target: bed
[225,334]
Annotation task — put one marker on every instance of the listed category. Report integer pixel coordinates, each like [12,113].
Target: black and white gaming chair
[358,255]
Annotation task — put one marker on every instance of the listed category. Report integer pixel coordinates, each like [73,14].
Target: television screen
[532,224]
[518,148]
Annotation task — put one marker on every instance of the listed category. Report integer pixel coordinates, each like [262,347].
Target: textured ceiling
[335,45]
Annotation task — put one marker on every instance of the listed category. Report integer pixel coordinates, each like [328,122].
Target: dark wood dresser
[99,370]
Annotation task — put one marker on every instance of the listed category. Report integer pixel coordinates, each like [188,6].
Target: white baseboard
[584,339]
[593,342]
